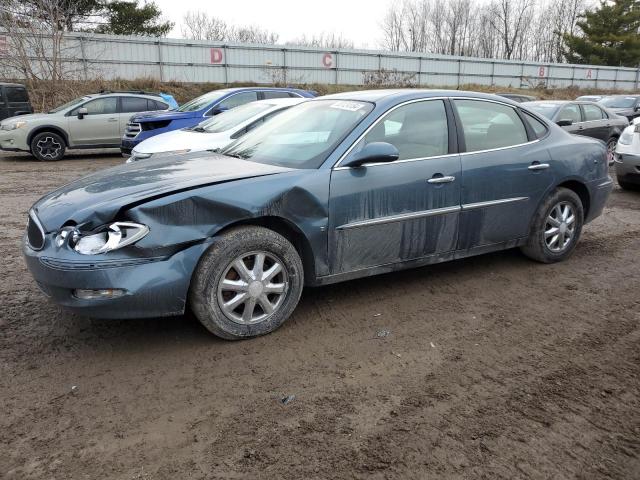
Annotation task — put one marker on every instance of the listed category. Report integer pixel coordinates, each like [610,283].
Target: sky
[358,20]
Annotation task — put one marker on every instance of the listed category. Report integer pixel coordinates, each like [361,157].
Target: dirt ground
[494,367]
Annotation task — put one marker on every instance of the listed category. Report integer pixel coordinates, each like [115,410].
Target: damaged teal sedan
[334,189]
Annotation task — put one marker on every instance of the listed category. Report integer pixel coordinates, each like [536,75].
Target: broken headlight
[107,238]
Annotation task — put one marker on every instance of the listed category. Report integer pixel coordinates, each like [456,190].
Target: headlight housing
[104,239]
[13,125]
[626,138]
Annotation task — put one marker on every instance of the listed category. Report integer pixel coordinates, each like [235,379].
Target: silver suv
[92,121]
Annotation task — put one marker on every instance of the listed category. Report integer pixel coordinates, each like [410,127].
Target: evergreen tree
[611,35]
[128,18]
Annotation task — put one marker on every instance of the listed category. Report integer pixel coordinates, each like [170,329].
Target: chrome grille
[35,232]
[132,131]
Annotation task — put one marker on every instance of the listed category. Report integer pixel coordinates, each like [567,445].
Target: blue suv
[148,124]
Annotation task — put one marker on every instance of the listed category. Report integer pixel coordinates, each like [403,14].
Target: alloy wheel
[48,147]
[560,227]
[611,149]
[252,288]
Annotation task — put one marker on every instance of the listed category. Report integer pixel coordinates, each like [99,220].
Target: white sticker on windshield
[350,106]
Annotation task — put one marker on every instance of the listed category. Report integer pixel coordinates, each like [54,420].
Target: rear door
[100,126]
[596,123]
[394,212]
[17,100]
[130,105]
[4,112]
[505,172]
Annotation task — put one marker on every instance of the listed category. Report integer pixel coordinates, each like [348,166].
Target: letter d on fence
[216,55]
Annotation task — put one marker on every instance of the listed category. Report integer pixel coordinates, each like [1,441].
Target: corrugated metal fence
[181,60]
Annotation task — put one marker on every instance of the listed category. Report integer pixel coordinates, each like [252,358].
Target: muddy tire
[556,227]
[48,146]
[247,284]
[627,186]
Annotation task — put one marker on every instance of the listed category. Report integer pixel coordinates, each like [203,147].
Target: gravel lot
[493,367]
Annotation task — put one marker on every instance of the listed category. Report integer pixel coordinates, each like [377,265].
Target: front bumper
[627,167]
[154,286]
[14,140]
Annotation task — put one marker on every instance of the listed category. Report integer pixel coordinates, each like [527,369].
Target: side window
[592,112]
[17,95]
[133,104]
[157,105]
[538,127]
[270,94]
[293,95]
[417,130]
[570,112]
[100,106]
[488,125]
[238,99]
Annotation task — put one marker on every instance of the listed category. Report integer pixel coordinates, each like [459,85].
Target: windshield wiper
[234,155]
[198,129]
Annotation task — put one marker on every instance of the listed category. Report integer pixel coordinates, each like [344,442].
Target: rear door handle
[539,166]
[447,179]
[113,120]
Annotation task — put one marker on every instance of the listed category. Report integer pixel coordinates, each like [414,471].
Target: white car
[627,157]
[213,133]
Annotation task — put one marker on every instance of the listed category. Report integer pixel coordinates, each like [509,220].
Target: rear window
[17,95]
[591,112]
[134,104]
[538,127]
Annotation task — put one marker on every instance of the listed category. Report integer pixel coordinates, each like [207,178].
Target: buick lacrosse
[333,189]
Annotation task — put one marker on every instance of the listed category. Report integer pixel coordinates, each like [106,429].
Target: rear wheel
[247,284]
[556,227]
[48,146]
[627,186]
[611,149]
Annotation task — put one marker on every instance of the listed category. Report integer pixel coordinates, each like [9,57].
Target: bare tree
[36,48]
[510,29]
[323,40]
[200,26]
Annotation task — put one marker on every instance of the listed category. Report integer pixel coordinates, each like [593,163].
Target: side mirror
[566,122]
[82,112]
[636,108]
[375,152]
[218,110]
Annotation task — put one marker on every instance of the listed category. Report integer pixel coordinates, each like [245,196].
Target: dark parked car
[333,189]
[584,118]
[517,97]
[149,124]
[14,100]
[624,105]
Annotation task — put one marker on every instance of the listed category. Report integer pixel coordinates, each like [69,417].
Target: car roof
[280,101]
[8,84]
[402,94]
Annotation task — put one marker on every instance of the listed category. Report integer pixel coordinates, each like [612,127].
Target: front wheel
[247,284]
[48,146]
[556,227]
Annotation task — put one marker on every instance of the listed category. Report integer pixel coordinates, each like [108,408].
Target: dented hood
[95,199]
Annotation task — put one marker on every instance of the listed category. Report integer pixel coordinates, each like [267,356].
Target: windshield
[232,118]
[546,109]
[69,104]
[202,101]
[618,102]
[303,136]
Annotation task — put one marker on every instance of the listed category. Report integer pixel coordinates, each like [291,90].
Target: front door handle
[539,166]
[447,179]
[112,120]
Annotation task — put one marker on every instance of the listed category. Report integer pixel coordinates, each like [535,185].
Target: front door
[100,126]
[388,213]
[505,173]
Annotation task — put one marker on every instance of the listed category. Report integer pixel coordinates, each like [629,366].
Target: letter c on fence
[216,55]
[327,60]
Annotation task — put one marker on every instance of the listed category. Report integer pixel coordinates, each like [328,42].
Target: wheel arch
[48,128]
[288,230]
[581,190]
